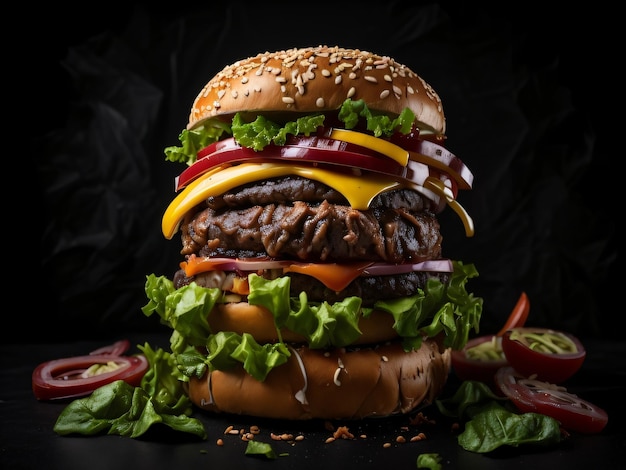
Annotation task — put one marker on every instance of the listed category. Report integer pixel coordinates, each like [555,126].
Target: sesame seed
[370,79]
[397,90]
[326,73]
[387,78]
[351,92]
[244,80]
[288,100]
[337,79]
[384,94]
[319,102]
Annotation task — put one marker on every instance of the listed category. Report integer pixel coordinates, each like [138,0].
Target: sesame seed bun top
[318,79]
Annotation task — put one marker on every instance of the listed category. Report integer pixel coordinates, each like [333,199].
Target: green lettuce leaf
[262,132]
[120,409]
[495,426]
[440,309]
[195,140]
[491,421]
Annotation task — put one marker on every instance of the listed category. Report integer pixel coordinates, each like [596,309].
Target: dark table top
[28,439]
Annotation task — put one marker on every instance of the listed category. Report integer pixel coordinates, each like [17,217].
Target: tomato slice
[518,315]
[551,355]
[536,396]
[479,360]
[301,149]
[79,376]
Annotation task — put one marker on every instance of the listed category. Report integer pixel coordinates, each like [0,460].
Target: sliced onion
[116,349]
[373,269]
[237,264]
[63,378]
[312,150]
[384,269]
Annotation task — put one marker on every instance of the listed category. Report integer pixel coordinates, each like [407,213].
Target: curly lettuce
[261,132]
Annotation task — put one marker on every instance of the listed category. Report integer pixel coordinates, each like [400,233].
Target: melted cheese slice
[358,190]
[334,276]
[393,151]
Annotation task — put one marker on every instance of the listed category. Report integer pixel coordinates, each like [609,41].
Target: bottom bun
[336,384]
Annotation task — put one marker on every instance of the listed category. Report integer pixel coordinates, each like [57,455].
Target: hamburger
[312,282]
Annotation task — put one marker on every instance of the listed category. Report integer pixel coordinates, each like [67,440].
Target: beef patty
[301,219]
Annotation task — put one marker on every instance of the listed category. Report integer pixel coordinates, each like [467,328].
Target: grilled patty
[300,219]
[305,220]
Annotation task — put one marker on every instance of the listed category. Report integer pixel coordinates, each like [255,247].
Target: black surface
[526,93]
[28,440]
[528,101]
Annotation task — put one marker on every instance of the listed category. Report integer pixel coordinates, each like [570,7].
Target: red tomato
[518,315]
[301,149]
[479,359]
[535,396]
[551,355]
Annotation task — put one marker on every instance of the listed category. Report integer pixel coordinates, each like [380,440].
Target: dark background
[527,96]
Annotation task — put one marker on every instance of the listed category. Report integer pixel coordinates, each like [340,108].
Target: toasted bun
[241,317]
[318,79]
[338,384]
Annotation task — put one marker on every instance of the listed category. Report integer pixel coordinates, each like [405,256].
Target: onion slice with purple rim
[366,269]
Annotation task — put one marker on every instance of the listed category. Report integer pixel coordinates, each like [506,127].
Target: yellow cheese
[393,151]
[359,190]
[440,189]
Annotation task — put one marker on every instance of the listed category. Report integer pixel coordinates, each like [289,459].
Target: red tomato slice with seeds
[531,395]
